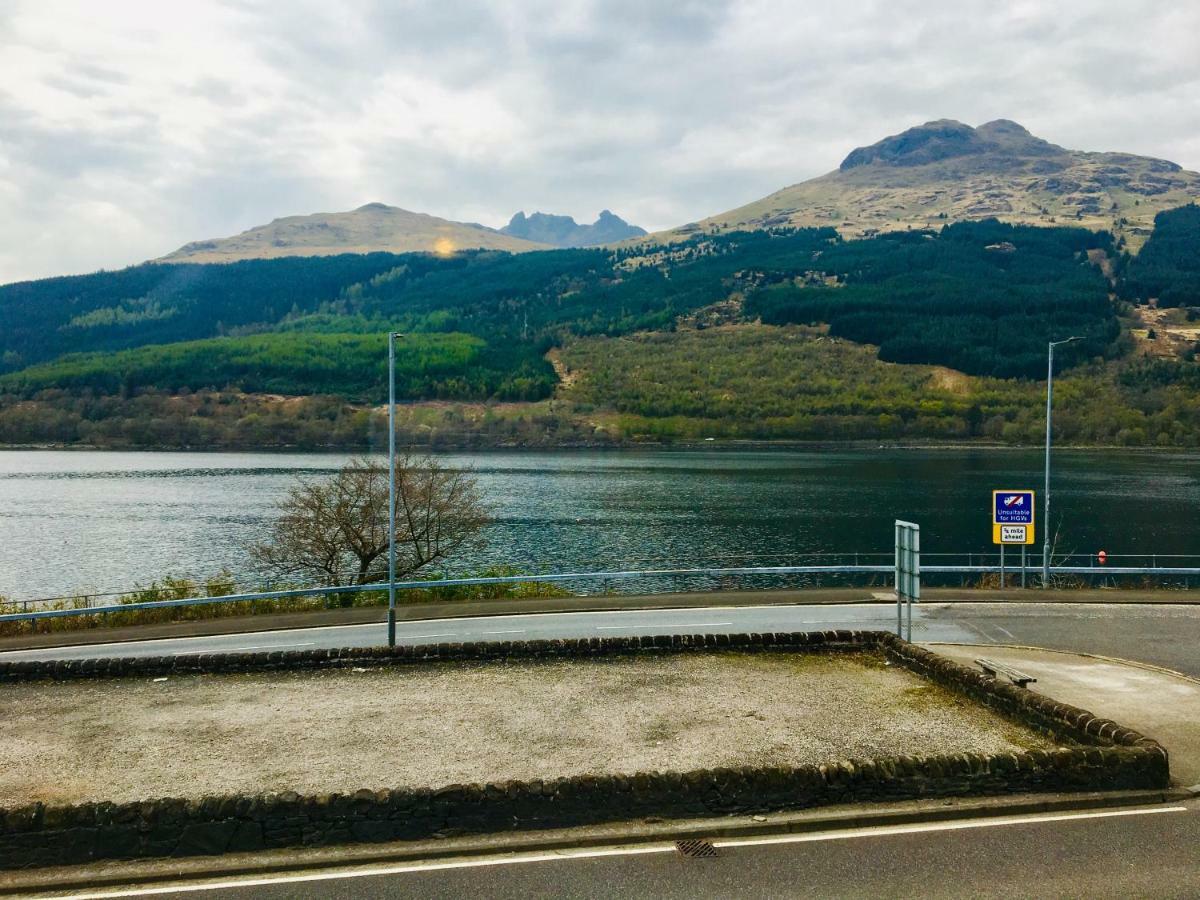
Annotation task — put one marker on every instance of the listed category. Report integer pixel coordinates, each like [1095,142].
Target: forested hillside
[1168,268]
[794,383]
[982,297]
[157,303]
[90,358]
[447,366]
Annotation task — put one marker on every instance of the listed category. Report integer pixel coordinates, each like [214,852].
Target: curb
[625,834]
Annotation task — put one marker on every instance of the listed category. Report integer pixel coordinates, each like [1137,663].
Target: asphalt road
[1114,853]
[1160,634]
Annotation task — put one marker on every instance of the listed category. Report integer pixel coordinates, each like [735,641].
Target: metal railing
[832,563]
[603,577]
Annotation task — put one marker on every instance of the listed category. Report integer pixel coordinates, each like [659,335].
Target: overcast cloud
[129,128]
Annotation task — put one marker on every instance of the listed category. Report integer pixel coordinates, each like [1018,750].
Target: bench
[999,670]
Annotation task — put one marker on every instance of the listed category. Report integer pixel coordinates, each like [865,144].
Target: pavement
[1159,703]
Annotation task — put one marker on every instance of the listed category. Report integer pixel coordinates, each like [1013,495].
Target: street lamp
[391,628]
[1046,492]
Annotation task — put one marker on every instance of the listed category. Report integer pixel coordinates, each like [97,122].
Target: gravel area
[341,730]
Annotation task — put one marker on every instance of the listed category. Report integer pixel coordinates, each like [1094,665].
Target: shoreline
[725,445]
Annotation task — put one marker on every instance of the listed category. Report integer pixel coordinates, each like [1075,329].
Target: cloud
[130,127]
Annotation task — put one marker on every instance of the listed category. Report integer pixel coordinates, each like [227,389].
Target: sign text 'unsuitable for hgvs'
[1012,517]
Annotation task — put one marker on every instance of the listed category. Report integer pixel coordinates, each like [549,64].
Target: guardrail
[861,569]
[835,563]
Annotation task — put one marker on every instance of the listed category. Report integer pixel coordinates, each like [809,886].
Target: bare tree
[336,529]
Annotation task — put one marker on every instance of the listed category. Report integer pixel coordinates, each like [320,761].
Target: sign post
[1012,523]
[908,573]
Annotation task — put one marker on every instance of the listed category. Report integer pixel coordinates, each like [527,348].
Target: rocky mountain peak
[946,139]
[564,231]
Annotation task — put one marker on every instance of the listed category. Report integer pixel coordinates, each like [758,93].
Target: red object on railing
[1102,556]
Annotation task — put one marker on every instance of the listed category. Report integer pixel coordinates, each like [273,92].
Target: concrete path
[1157,702]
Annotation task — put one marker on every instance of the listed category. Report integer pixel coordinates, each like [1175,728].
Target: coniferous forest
[80,354]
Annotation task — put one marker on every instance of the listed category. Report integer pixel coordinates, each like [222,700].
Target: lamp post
[1046,492]
[391,621]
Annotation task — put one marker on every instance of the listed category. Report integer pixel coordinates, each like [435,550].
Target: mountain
[371,228]
[947,171]
[564,231]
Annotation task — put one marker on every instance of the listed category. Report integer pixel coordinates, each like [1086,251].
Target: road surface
[1106,853]
[1160,634]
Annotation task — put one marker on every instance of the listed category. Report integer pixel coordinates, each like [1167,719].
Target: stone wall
[1111,757]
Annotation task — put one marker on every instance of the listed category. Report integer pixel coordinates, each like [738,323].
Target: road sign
[1012,517]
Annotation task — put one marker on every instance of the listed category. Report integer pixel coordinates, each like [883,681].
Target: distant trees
[980,297]
[429,366]
[1168,267]
[335,531]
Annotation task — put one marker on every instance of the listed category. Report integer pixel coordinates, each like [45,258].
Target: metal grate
[696,849]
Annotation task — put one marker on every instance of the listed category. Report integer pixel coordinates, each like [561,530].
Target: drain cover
[696,849]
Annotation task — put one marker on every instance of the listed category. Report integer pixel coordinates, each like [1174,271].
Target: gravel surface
[341,730]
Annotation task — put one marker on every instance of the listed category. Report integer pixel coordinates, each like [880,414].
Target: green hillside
[796,383]
[351,366]
[1168,269]
[599,345]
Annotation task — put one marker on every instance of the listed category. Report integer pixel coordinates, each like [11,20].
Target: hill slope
[947,171]
[375,227]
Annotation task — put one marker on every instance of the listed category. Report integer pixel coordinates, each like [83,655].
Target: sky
[130,128]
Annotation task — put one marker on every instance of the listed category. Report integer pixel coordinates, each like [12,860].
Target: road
[1108,853]
[1094,854]
[1160,634]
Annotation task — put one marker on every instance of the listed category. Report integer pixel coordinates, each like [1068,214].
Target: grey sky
[129,128]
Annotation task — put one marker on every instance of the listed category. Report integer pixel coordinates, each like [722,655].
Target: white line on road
[884,830]
[663,625]
[409,637]
[564,855]
[510,631]
[239,649]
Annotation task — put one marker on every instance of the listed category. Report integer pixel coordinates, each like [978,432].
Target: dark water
[72,522]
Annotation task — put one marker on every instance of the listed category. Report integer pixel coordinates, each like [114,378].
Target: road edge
[198,869]
[469,609]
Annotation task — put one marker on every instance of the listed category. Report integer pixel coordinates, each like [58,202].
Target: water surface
[98,521]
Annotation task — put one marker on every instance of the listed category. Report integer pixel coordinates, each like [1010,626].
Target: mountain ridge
[564,231]
[373,227]
[945,171]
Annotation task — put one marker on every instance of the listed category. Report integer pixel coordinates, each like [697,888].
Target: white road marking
[663,625]
[510,631]
[885,830]
[871,610]
[239,649]
[561,855]
[1006,632]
